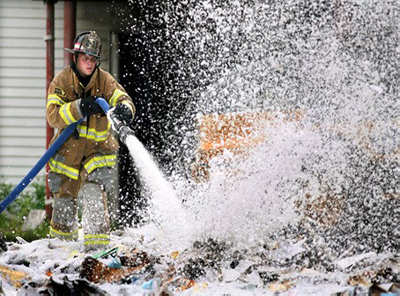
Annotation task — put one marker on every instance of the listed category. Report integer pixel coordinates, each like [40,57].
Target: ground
[208,267]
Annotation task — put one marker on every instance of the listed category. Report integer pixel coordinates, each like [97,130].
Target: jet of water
[175,223]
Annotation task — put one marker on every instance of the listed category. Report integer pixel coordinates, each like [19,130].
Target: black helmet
[88,43]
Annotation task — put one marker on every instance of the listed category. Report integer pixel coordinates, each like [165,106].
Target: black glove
[123,113]
[89,106]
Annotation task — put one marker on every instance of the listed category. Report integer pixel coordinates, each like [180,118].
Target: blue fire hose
[45,158]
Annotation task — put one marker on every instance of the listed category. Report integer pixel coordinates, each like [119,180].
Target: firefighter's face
[86,64]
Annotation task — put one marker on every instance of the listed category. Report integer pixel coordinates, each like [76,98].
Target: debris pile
[210,265]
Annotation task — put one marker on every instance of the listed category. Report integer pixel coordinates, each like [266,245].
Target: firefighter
[86,161]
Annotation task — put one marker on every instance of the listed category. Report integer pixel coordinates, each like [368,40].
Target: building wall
[23,75]
[22,85]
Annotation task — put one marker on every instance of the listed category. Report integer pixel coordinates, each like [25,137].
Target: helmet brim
[100,58]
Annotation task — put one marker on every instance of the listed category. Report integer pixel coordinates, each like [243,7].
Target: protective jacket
[93,135]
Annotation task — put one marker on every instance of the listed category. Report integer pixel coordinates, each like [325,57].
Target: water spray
[168,213]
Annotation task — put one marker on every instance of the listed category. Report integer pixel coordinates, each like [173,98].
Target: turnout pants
[93,176]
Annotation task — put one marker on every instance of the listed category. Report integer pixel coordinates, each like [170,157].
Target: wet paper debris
[389,289]
[19,259]
[385,289]
[174,285]
[97,272]
[283,265]
[177,284]
[111,252]
[63,286]
[135,267]
[282,286]
[274,266]
[135,258]
[370,278]
[14,277]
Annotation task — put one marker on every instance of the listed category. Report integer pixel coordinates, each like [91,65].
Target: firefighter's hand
[89,106]
[123,113]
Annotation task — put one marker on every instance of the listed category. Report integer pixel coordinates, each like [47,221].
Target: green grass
[33,197]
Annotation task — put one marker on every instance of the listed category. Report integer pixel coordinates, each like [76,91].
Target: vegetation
[13,218]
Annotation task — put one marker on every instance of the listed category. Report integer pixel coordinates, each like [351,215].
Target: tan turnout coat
[95,146]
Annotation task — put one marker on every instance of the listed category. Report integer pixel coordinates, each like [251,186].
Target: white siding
[23,84]
[23,75]
[22,87]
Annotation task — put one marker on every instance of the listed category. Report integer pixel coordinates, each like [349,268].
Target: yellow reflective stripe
[97,236]
[57,232]
[61,168]
[128,105]
[82,130]
[66,114]
[117,93]
[97,242]
[93,134]
[91,239]
[97,136]
[100,161]
[54,99]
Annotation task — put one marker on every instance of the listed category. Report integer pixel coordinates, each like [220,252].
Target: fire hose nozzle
[124,132]
[115,122]
[117,125]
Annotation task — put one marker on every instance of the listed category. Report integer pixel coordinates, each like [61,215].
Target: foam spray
[174,223]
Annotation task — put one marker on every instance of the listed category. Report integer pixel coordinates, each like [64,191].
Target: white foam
[167,211]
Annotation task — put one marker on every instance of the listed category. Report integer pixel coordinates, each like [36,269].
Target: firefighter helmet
[87,42]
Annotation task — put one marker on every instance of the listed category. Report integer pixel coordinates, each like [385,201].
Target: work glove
[123,113]
[89,106]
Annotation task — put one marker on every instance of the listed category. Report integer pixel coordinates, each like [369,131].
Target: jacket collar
[93,79]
